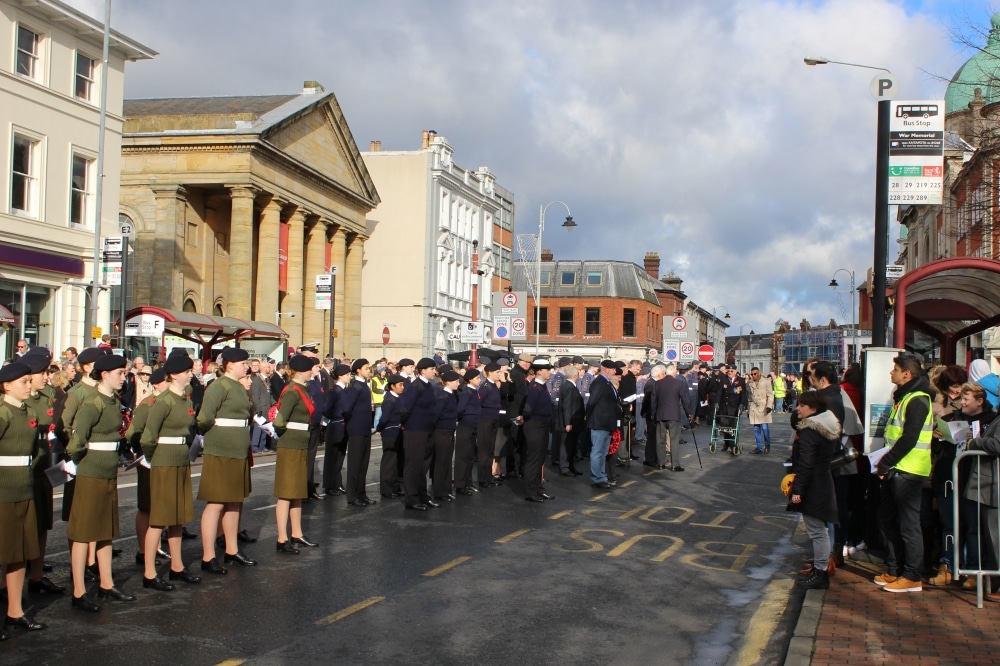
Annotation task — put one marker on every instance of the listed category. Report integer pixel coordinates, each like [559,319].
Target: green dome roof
[980,71]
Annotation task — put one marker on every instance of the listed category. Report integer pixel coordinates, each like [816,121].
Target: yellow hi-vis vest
[918,460]
[779,387]
[377,384]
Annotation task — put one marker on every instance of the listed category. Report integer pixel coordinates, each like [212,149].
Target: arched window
[189,306]
[217,310]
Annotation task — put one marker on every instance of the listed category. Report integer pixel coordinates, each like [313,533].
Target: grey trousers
[817,530]
[668,438]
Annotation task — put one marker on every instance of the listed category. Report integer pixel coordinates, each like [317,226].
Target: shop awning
[6,317]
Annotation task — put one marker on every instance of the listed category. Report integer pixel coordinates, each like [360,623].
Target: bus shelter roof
[217,329]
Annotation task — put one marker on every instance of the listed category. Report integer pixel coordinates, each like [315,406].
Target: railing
[956,538]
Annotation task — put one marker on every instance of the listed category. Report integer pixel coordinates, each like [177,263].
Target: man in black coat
[670,401]
[356,407]
[603,415]
[519,376]
[419,411]
[569,420]
[392,437]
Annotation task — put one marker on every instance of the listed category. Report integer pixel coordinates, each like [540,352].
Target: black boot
[817,580]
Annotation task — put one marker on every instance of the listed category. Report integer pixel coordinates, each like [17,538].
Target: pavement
[857,622]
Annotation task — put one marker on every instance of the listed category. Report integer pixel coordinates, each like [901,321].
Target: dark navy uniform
[465,438]
[356,407]
[537,414]
[392,442]
[444,443]
[336,443]
[418,416]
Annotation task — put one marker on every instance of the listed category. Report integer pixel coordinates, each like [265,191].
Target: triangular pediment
[319,138]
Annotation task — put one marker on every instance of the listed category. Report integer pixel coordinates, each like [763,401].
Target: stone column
[296,268]
[266,300]
[352,295]
[313,320]
[239,302]
[167,290]
[338,253]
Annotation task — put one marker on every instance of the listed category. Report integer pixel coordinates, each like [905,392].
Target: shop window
[593,323]
[565,321]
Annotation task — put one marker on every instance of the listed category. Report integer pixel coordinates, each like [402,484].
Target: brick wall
[648,321]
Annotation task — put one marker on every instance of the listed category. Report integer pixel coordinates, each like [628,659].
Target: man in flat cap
[356,408]
[603,415]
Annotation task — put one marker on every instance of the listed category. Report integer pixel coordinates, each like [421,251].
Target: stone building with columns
[240,202]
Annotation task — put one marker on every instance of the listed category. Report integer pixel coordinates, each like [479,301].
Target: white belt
[293,425]
[171,440]
[102,446]
[15,461]
[231,423]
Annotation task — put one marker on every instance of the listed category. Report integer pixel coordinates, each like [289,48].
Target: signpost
[706,353]
[472,332]
[687,351]
[916,152]
[671,350]
[510,312]
[111,263]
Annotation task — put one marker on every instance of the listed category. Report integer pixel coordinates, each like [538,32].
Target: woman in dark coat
[812,490]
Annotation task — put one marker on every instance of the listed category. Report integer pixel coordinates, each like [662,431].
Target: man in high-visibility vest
[903,471]
[779,392]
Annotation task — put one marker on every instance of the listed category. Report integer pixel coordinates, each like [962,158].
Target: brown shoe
[943,576]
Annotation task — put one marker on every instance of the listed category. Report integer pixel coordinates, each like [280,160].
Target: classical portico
[239,203]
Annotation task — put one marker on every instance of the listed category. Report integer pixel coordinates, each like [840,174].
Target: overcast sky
[692,129]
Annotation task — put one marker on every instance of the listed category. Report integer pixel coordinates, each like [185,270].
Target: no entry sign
[706,353]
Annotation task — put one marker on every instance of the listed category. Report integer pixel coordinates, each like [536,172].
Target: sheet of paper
[875,456]
[976,429]
[57,474]
[942,427]
[141,460]
[959,431]
[631,398]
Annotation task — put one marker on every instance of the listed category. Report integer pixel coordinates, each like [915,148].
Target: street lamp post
[881,249]
[853,356]
[569,225]
[715,316]
[739,358]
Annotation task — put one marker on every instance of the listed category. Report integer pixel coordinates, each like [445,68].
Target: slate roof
[188,106]
[619,279]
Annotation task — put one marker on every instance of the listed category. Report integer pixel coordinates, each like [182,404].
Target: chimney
[652,264]
[547,255]
[425,140]
[672,281]
[312,87]
[374,146]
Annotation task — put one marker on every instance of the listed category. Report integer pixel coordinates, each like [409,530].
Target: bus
[916,110]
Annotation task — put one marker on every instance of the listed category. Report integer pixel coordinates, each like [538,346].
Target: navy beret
[491,367]
[471,374]
[300,363]
[358,364]
[396,379]
[13,372]
[425,363]
[234,354]
[341,370]
[109,362]
[606,363]
[90,355]
[177,363]
[578,359]
[158,377]
[403,362]
[450,376]
[36,362]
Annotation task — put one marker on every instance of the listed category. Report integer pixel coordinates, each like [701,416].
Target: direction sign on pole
[687,351]
[324,291]
[916,152]
[706,353]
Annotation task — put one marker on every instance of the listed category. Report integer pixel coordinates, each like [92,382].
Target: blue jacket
[418,407]
[331,409]
[388,424]
[356,407]
[991,384]
[316,394]
[538,404]
[447,410]
[489,401]
[469,407]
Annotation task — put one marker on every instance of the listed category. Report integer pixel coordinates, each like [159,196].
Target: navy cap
[234,354]
[341,370]
[13,372]
[177,363]
[309,347]
[109,362]
[541,363]
[158,377]
[578,359]
[300,363]
[607,363]
[425,363]
[564,361]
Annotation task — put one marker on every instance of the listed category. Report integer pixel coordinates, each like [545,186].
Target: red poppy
[49,412]
[52,427]
[33,423]
[190,412]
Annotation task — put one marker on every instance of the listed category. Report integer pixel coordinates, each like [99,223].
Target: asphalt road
[693,567]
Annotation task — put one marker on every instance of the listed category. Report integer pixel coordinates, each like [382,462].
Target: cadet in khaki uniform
[18,526]
[42,402]
[224,419]
[158,380]
[295,411]
[93,448]
[165,441]
[87,386]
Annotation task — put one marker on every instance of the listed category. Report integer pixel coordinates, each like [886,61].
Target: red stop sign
[706,353]
[385,335]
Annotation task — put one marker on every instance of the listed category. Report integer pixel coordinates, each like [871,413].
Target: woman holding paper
[18,526]
[165,441]
[93,448]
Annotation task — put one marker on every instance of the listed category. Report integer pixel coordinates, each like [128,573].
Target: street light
[739,358]
[881,249]
[853,356]
[568,225]
[278,315]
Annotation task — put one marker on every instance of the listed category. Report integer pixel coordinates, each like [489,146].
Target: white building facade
[418,277]
[50,82]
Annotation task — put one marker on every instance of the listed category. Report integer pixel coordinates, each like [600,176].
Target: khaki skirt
[170,492]
[95,510]
[224,479]
[142,488]
[18,532]
[290,481]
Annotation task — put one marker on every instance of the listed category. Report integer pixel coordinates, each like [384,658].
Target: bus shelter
[147,329]
[948,299]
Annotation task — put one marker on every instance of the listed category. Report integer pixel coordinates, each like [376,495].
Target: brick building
[598,308]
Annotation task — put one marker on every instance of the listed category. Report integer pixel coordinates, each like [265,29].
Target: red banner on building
[283,257]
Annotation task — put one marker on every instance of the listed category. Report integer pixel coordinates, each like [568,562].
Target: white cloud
[689,129]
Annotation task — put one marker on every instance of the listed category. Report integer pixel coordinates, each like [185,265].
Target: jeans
[378,417]
[816,530]
[779,403]
[600,440]
[762,429]
[899,521]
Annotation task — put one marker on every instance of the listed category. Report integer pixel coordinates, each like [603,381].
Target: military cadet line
[467,431]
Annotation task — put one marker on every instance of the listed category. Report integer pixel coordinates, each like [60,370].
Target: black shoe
[185,575]
[536,499]
[287,548]
[767,449]
[358,502]
[213,566]
[612,483]
[487,484]
[304,541]
[84,603]
[369,500]
[464,491]
[115,552]
[157,584]
[114,593]
[602,484]
[187,534]
[472,488]
[417,507]
[757,451]
[243,537]
[24,622]
[663,467]
[336,492]
[46,568]
[315,495]
[239,558]
[546,496]
[445,498]
[431,503]
[646,463]
[677,468]
[45,586]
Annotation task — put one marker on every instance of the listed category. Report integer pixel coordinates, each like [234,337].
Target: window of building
[24,175]
[542,325]
[567,279]
[192,235]
[28,52]
[595,278]
[593,326]
[565,321]
[85,77]
[546,278]
[81,191]
[628,323]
